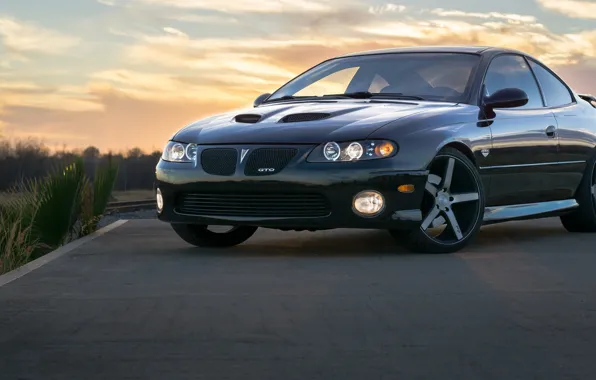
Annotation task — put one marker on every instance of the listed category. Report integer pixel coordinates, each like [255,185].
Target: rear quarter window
[555,92]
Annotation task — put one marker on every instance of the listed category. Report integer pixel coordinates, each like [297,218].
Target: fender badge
[485,152]
[243,154]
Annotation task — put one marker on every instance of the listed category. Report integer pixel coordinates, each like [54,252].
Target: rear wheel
[452,206]
[583,219]
[213,236]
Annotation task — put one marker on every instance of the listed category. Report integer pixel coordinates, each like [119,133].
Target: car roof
[436,49]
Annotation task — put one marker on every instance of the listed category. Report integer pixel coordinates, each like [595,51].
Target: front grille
[253,204]
[301,117]
[267,161]
[219,161]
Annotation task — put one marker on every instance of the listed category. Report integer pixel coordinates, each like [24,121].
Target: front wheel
[452,206]
[205,236]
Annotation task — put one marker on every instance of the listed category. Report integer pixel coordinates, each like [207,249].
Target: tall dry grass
[18,241]
[51,211]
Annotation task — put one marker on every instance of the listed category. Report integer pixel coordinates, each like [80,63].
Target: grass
[18,242]
[44,214]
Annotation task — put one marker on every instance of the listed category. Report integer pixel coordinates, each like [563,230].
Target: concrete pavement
[139,303]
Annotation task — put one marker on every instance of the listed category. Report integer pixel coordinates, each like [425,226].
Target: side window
[555,92]
[507,71]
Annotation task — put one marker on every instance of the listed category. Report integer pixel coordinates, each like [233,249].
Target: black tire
[201,236]
[583,219]
[463,202]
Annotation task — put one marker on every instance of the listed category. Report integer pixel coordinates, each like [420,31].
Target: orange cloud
[123,123]
[28,94]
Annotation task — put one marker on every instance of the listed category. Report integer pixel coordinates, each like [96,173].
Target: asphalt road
[138,303]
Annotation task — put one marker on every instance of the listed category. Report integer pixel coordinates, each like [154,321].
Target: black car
[428,143]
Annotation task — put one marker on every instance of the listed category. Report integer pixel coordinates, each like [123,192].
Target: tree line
[22,160]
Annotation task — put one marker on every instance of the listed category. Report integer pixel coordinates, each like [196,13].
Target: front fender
[418,148]
[421,136]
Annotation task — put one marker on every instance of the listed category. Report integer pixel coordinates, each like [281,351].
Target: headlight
[179,152]
[353,151]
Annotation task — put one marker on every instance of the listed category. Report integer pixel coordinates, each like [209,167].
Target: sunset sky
[123,73]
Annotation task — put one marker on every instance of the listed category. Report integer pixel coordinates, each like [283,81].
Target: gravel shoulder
[141,214]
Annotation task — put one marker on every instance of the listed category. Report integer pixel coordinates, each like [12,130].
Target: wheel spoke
[464,197]
[430,217]
[448,173]
[434,179]
[431,189]
[438,222]
[454,224]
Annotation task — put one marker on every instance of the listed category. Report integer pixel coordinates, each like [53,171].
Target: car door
[575,141]
[524,139]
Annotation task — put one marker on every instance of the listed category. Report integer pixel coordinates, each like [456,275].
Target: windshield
[431,76]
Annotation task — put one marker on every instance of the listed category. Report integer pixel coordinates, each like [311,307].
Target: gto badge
[485,152]
[262,170]
[243,154]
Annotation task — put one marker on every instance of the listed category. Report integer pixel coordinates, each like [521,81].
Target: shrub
[96,196]
[42,214]
[18,243]
[59,203]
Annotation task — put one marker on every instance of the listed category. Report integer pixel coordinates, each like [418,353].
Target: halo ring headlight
[332,151]
[178,152]
[354,151]
[191,151]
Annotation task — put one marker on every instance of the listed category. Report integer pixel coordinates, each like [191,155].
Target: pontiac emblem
[243,154]
[485,152]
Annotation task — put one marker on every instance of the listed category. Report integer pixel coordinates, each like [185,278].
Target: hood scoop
[302,117]
[247,118]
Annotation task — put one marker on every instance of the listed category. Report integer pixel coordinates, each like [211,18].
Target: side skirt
[498,214]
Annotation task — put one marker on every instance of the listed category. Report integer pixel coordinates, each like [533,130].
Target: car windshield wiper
[397,95]
[368,95]
[354,95]
[288,97]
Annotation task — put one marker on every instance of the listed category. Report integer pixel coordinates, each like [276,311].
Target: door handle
[551,131]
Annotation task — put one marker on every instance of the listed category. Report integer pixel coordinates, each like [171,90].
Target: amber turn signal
[406,188]
[384,149]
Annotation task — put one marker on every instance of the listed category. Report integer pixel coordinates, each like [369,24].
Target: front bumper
[337,183]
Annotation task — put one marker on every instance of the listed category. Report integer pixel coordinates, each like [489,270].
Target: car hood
[302,122]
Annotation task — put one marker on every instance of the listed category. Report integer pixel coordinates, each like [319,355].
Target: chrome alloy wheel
[451,202]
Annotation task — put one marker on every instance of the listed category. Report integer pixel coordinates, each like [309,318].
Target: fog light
[368,203]
[159,199]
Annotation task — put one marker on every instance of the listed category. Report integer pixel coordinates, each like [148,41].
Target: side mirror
[260,99]
[506,98]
